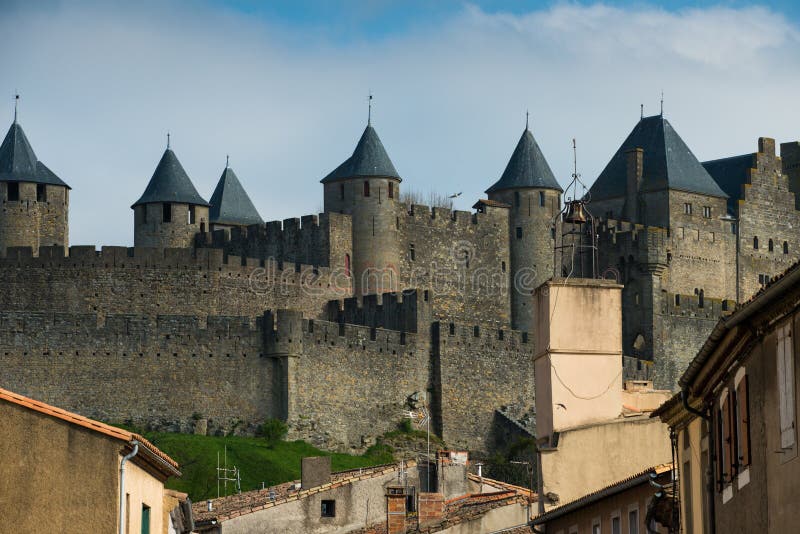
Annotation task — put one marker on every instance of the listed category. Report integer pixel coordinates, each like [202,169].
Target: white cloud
[101,86]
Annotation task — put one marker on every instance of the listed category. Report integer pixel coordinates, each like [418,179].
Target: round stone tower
[531,190]
[367,187]
[171,211]
[35,202]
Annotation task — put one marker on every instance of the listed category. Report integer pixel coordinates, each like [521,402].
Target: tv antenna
[226,474]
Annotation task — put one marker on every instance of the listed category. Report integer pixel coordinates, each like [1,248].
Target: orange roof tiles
[70,417]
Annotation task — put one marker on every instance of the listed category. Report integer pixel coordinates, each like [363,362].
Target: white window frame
[742,476]
[634,508]
[597,522]
[615,515]
[785,366]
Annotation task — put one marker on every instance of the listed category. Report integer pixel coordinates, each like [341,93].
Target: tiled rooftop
[254,501]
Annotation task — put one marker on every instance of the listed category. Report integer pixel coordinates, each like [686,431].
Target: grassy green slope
[258,461]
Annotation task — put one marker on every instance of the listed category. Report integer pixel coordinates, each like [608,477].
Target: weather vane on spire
[527,116]
[662,103]
[16,103]
[369,109]
[227,161]
[641,111]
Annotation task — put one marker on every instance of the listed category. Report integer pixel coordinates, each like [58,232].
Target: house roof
[167,464]
[634,480]
[491,203]
[526,168]
[668,164]
[18,162]
[731,174]
[230,203]
[368,159]
[248,502]
[170,183]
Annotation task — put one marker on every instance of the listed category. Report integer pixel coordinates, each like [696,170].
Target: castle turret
[35,201]
[171,211]
[367,187]
[230,204]
[530,188]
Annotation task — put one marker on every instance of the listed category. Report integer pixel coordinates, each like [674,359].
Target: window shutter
[720,448]
[785,361]
[727,442]
[744,422]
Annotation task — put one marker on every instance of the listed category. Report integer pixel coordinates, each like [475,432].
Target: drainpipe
[712,464]
[122,485]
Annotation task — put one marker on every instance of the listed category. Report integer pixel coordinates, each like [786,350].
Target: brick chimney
[395,510]
[431,508]
[634,168]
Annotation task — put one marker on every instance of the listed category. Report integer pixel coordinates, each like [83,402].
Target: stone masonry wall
[31,223]
[167,372]
[323,240]
[461,258]
[157,281]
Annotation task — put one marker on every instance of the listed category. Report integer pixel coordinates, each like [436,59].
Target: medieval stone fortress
[338,322]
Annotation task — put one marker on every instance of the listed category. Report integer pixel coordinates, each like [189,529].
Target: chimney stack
[395,510]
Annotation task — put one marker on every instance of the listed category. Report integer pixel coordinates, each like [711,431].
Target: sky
[282,88]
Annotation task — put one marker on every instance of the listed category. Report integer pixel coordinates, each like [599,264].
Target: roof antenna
[369,111]
[662,103]
[16,103]
[167,140]
[526,119]
[641,112]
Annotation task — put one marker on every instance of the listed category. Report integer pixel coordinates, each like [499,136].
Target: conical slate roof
[527,167]
[368,159]
[230,203]
[170,183]
[668,164]
[18,162]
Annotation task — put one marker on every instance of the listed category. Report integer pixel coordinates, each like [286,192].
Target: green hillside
[257,460]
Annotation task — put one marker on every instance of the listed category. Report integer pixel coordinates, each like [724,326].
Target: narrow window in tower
[341,191]
[687,208]
[143,207]
[366,189]
[785,247]
[503,266]
[755,243]
[411,252]
[476,331]
[13,191]
[707,212]
[191,214]
[516,199]
[701,299]
[677,300]
[391,190]
[347,264]
[519,232]
[41,193]
[770,245]
[541,198]
[552,232]
[166,212]
[203,227]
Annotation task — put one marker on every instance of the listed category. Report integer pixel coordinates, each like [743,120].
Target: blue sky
[282,87]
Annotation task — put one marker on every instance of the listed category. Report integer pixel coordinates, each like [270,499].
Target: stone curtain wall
[459,257]
[478,375]
[156,281]
[322,240]
[169,373]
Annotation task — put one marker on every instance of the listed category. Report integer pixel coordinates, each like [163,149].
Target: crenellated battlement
[690,306]
[320,240]
[490,335]
[175,259]
[444,217]
[137,331]
[407,311]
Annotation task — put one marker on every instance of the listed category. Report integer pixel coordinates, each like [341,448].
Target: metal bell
[575,213]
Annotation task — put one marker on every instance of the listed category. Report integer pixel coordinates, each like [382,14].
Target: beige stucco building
[591,428]
[61,472]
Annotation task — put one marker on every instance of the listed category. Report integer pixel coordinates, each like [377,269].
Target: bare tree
[426,198]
